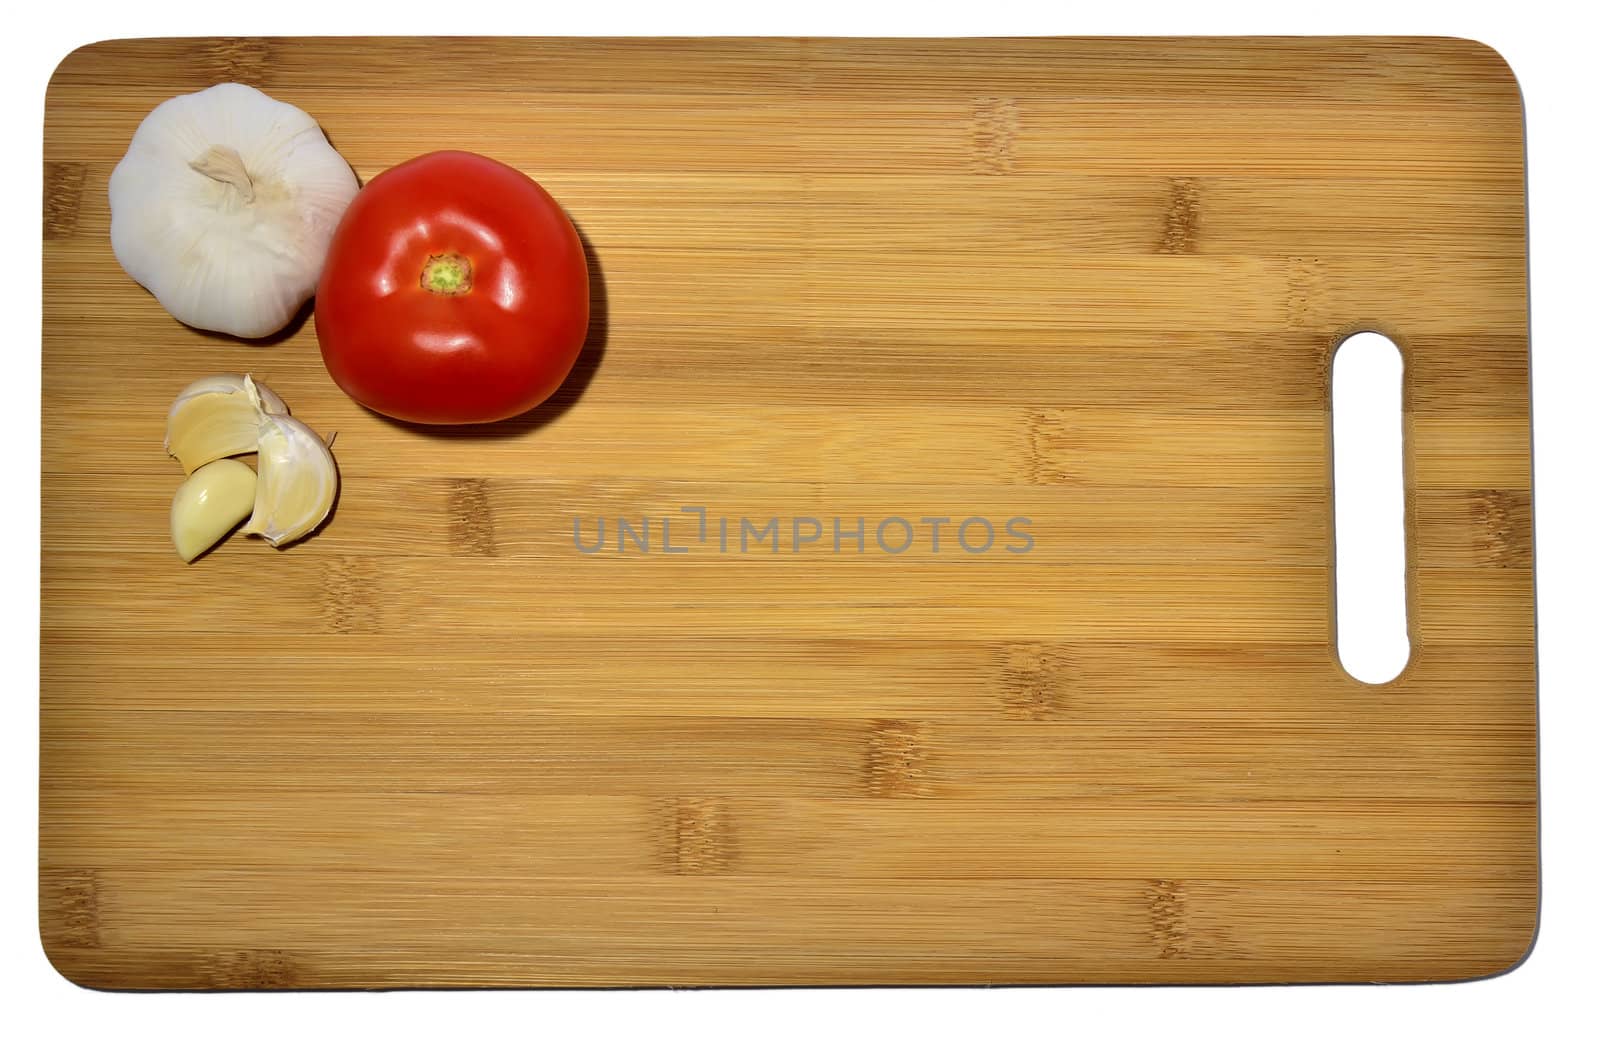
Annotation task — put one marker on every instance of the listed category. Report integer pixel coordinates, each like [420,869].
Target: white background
[1524,1013]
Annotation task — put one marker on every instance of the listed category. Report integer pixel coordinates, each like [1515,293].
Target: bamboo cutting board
[1092,283]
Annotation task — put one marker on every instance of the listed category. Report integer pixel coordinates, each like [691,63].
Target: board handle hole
[1369,525]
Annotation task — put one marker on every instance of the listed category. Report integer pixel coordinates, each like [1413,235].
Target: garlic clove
[297,481]
[209,503]
[218,416]
[224,205]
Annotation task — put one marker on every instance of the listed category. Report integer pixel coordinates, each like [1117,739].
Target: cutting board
[1094,284]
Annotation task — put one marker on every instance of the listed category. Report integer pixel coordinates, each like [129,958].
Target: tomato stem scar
[447,274]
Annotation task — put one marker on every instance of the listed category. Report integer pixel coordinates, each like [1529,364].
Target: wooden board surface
[1093,283]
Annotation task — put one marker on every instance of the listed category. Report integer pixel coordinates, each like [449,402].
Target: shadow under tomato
[565,397]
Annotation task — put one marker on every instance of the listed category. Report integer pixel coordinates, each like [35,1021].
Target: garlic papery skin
[224,205]
[211,502]
[218,416]
[297,481]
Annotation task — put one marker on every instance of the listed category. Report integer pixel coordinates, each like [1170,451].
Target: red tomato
[455,291]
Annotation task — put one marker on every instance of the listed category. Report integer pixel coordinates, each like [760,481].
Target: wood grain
[1092,283]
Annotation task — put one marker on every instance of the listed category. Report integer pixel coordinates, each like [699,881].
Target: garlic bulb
[224,205]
